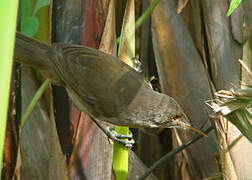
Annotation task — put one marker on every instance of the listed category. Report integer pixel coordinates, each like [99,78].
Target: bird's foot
[138,64]
[120,138]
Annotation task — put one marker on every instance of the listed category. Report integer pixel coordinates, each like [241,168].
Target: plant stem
[34,101]
[173,152]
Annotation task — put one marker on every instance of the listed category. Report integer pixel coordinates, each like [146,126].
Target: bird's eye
[176,117]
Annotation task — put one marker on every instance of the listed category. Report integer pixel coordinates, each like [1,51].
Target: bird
[101,85]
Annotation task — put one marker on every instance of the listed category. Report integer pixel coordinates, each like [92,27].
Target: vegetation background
[189,49]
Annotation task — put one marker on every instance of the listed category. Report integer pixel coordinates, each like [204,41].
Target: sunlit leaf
[233,5]
[8,15]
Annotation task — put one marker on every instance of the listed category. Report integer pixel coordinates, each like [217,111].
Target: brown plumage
[101,85]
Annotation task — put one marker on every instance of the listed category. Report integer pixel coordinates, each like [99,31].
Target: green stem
[144,16]
[34,101]
[146,13]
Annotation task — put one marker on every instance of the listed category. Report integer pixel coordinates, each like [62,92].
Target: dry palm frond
[236,106]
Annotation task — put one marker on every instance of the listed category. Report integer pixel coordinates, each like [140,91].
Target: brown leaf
[183,76]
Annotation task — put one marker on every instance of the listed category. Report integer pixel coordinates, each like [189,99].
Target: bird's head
[170,115]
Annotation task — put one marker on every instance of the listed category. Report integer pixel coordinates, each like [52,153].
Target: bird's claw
[121,138]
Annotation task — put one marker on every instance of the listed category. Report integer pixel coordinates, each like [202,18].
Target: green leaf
[29,26]
[8,15]
[29,23]
[240,118]
[233,5]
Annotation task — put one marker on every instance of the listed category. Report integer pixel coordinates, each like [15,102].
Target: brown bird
[101,85]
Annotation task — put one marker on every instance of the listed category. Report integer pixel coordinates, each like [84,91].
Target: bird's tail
[33,53]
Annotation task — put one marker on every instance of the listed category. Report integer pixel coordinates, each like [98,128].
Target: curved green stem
[144,16]
[34,101]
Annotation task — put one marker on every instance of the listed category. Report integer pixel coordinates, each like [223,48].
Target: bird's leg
[119,138]
[138,64]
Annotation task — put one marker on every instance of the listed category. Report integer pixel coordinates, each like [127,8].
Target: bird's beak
[196,130]
[188,126]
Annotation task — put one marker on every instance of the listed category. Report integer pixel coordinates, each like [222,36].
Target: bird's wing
[105,85]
